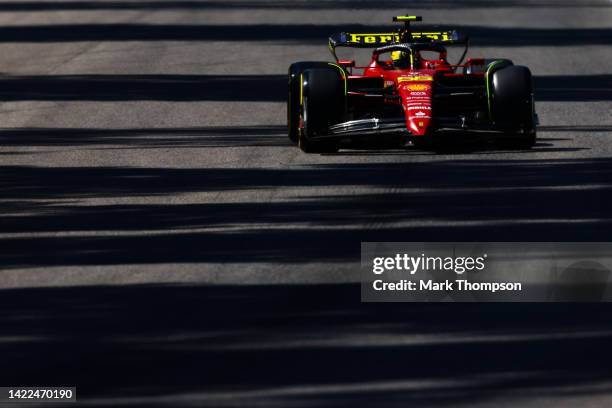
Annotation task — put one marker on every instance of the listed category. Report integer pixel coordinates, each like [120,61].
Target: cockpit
[412,56]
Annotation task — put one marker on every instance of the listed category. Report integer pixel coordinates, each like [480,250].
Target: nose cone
[416,94]
[417,126]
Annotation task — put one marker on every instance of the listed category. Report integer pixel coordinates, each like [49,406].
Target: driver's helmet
[400,59]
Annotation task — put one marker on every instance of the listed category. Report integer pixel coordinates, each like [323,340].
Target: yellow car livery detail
[415,78]
[418,87]
[434,35]
[385,38]
[373,38]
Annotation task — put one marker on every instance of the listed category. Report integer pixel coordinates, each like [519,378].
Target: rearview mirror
[346,63]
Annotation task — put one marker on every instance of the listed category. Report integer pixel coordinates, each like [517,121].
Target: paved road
[159,234]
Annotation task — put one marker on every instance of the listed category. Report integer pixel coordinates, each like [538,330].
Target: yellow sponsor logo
[433,35]
[383,38]
[418,87]
[415,78]
[373,38]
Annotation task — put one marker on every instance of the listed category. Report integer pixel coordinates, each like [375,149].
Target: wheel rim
[303,123]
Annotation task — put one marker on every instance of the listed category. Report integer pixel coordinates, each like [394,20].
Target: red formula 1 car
[406,96]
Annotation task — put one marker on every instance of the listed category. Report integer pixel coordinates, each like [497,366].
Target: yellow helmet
[398,56]
[400,59]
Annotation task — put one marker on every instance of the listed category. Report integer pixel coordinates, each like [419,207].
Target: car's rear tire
[512,106]
[293,97]
[322,104]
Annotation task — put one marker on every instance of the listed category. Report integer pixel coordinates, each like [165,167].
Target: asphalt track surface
[163,244]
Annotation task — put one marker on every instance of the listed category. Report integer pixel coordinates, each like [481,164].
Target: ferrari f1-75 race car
[402,94]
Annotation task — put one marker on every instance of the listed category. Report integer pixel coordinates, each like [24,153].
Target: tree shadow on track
[575,129]
[306,345]
[151,138]
[33,6]
[260,88]
[287,33]
[452,200]
[573,88]
[297,345]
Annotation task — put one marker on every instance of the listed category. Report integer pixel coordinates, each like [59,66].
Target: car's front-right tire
[293,95]
[322,103]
